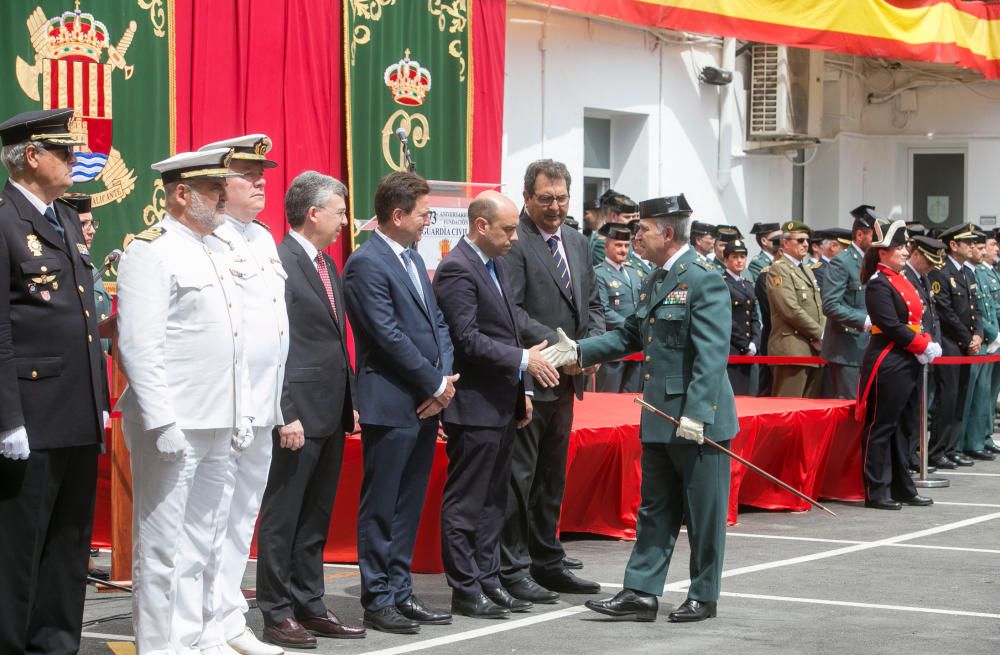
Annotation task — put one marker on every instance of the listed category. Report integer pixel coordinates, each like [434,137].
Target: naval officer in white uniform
[260,279]
[187,402]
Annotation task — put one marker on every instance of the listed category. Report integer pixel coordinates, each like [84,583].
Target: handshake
[563,354]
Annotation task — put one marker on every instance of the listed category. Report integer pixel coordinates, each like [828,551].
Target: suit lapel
[478,266]
[396,267]
[39,223]
[544,254]
[311,275]
[501,269]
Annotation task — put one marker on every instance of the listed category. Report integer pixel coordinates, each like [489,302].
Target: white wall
[559,65]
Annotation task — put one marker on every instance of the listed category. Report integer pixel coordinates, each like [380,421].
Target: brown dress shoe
[330,626]
[289,634]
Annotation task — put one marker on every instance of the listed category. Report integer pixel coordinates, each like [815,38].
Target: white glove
[171,443]
[562,352]
[106,418]
[993,347]
[752,350]
[931,352]
[14,443]
[868,323]
[691,429]
[243,437]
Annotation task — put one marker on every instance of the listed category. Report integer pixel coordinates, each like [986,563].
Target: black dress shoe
[627,603]
[918,501]
[960,459]
[572,563]
[992,448]
[566,583]
[414,610]
[692,610]
[884,504]
[477,607]
[527,589]
[502,597]
[943,462]
[99,574]
[389,619]
[980,455]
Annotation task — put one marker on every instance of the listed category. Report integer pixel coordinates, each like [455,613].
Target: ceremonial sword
[752,467]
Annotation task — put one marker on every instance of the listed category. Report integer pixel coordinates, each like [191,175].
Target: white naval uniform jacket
[180,333]
[260,279]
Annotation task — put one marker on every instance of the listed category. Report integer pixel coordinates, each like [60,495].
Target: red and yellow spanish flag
[945,31]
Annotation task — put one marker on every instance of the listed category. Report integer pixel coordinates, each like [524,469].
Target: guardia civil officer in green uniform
[762,232]
[616,208]
[682,328]
[618,286]
[703,239]
[993,250]
[81,202]
[979,407]
[847,324]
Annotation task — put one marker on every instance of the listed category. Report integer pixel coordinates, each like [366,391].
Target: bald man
[491,401]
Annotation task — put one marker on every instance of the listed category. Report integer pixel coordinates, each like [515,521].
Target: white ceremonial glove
[171,443]
[993,347]
[868,323]
[691,429]
[243,437]
[752,350]
[14,443]
[106,418]
[562,352]
[931,352]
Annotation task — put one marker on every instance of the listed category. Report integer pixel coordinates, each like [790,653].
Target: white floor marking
[984,475]
[960,549]
[107,637]
[783,537]
[842,603]
[944,502]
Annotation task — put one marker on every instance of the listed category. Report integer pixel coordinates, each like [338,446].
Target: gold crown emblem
[408,81]
[76,34]
[262,146]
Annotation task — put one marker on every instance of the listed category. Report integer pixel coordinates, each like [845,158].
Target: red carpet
[812,445]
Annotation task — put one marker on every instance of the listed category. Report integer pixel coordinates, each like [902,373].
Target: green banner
[110,60]
[408,65]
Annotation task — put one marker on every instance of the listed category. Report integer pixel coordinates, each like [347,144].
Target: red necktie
[324,276]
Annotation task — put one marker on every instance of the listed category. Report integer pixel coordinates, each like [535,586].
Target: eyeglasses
[546,200]
[801,240]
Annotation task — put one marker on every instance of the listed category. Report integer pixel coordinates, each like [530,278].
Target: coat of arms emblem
[68,53]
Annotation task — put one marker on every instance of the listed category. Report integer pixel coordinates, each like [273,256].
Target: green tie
[661,275]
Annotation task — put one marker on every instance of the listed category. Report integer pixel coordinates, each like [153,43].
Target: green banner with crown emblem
[408,65]
[110,60]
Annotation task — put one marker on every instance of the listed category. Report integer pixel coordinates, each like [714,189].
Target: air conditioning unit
[786,96]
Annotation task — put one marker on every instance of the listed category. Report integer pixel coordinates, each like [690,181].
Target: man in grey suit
[553,285]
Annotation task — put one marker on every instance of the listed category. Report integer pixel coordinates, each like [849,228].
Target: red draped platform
[814,445]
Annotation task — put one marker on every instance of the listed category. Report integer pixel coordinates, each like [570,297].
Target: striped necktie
[560,263]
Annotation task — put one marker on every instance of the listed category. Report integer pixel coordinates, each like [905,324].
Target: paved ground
[921,580]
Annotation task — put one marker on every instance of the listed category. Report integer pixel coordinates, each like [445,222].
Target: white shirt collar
[952,260]
[736,277]
[546,235]
[310,249]
[35,201]
[768,255]
[915,271]
[860,251]
[969,266]
[173,223]
[792,259]
[397,248]
[238,225]
[825,258]
[617,267]
[476,249]
[673,258]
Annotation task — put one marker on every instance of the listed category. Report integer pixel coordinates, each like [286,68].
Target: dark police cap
[666,206]
[616,231]
[726,233]
[78,201]
[47,126]
[916,228]
[963,232]
[572,222]
[795,226]
[592,205]
[932,249]
[864,216]
[622,205]
[840,234]
[735,247]
[764,228]
[700,229]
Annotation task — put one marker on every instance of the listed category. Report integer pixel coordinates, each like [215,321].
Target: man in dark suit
[317,409]
[404,359]
[473,291]
[53,391]
[553,285]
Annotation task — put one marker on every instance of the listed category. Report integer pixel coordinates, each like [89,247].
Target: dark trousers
[530,543]
[891,409]
[950,386]
[619,377]
[294,522]
[46,517]
[740,379]
[473,505]
[397,466]
[843,381]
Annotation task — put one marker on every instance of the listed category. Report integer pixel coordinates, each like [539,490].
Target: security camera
[717,76]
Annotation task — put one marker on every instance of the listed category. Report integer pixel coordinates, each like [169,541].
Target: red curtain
[489,33]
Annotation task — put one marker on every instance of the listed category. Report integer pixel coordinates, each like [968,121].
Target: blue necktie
[560,263]
[411,270]
[50,215]
[491,269]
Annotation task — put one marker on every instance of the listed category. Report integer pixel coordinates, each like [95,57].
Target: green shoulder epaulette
[706,265]
[262,224]
[151,234]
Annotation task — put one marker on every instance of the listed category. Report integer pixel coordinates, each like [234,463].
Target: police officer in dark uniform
[954,293]
[53,391]
[618,286]
[744,338]
[890,381]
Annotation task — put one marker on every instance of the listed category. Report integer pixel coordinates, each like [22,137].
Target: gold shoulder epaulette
[151,234]
[765,269]
[705,265]
[262,224]
[815,265]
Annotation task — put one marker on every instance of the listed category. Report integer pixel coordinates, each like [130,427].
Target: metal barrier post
[924,481]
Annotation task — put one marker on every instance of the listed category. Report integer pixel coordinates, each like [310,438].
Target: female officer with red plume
[890,387]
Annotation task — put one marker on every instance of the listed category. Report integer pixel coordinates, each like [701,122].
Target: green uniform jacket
[796,316]
[845,339]
[683,331]
[758,264]
[102,301]
[619,292]
[988,292]
[641,267]
[597,248]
